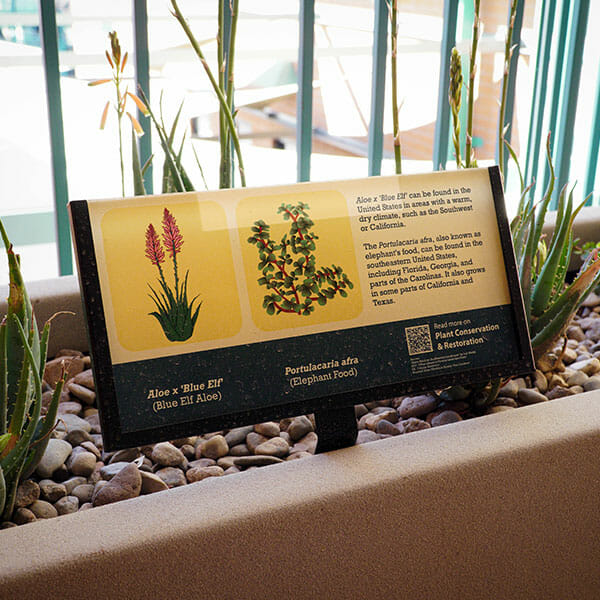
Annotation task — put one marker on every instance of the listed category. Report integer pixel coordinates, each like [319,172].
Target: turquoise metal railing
[568,18]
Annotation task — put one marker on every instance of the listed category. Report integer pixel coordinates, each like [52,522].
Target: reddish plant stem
[295,219]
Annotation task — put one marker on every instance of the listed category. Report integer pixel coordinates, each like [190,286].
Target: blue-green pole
[557,82]
[590,176]
[375,142]
[142,79]
[568,109]
[304,97]
[442,123]
[49,36]
[538,103]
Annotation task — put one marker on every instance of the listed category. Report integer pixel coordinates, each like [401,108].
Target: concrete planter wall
[504,506]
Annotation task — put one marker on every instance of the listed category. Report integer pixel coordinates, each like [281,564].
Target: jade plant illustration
[177,316]
[289,268]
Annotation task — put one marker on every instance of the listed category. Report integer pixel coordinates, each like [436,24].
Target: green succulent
[23,432]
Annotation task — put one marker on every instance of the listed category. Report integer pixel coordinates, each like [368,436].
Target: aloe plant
[549,302]
[23,433]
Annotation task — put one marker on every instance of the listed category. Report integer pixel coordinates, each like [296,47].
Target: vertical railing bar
[442,123]
[57,140]
[304,97]
[568,109]
[557,82]
[142,80]
[590,176]
[538,99]
[512,77]
[375,142]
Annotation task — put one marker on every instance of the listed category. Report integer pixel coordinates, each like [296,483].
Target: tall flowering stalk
[454,98]
[117,63]
[469,155]
[176,315]
[508,52]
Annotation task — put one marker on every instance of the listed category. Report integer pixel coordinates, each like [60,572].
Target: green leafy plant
[117,63]
[550,302]
[23,432]
[223,86]
[289,269]
[177,316]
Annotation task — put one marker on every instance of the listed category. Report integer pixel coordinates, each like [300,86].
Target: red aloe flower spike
[154,250]
[172,237]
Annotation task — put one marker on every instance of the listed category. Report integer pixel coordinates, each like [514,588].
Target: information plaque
[216,309]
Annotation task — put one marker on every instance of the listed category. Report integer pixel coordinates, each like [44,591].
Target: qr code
[418,339]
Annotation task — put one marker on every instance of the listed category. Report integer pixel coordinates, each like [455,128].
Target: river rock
[530,396]
[256,461]
[172,476]
[306,444]
[445,417]
[200,473]
[70,422]
[412,424]
[107,472]
[365,436]
[51,491]
[417,406]
[43,510]
[66,505]
[83,393]
[71,483]
[238,435]
[82,463]
[53,369]
[76,437]
[275,446]
[27,492]
[269,429]
[202,462]
[590,366]
[215,447]
[54,456]
[83,492]
[239,450]
[22,515]
[560,392]
[167,455]
[86,379]
[540,381]
[152,483]
[510,389]
[253,440]
[226,461]
[387,428]
[127,483]
[299,427]
[69,407]
[593,383]
[577,378]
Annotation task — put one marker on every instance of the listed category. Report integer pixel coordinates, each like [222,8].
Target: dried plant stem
[508,50]
[224,107]
[393,8]
[119,108]
[469,159]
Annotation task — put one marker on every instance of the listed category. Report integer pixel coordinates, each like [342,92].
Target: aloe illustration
[288,266]
[176,315]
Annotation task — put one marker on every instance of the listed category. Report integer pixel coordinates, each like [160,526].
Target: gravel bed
[76,474]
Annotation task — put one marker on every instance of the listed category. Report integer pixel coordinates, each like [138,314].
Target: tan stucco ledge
[504,506]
